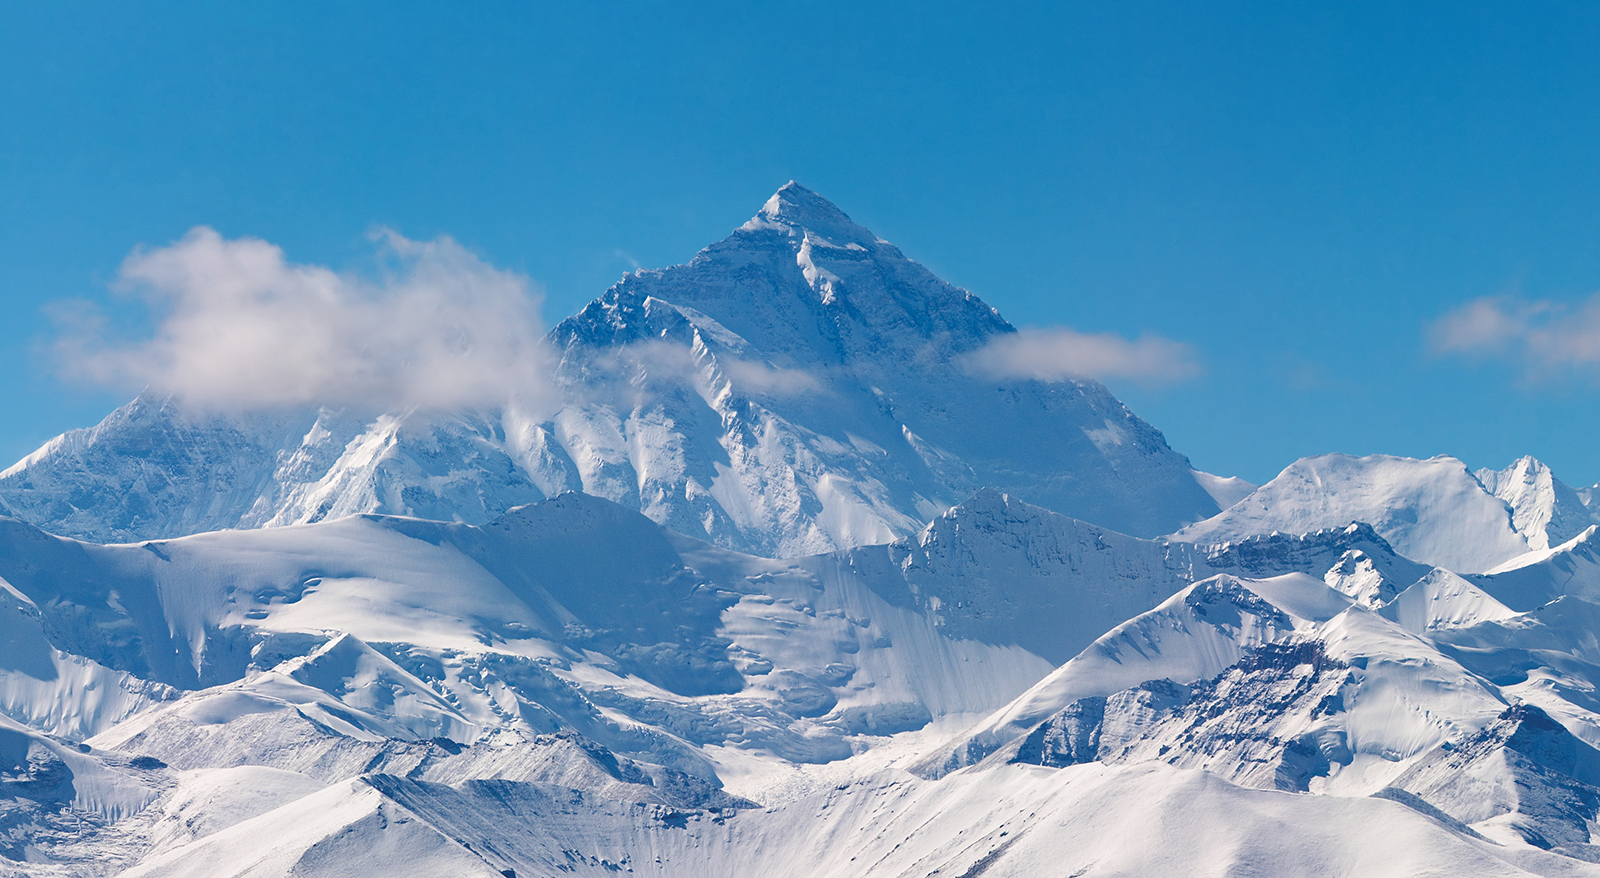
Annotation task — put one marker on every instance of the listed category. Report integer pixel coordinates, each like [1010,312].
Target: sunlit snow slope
[778,587]
[572,689]
[1444,700]
[1433,510]
[795,388]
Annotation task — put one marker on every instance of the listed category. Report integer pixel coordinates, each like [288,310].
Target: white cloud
[759,378]
[1545,338]
[627,257]
[1059,353]
[663,360]
[238,326]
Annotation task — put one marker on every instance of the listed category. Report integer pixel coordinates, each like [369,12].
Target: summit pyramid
[797,387]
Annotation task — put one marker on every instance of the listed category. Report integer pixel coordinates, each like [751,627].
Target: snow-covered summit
[1543,509]
[549,660]
[1434,510]
[800,210]
[826,367]
[795,388]
[806,287]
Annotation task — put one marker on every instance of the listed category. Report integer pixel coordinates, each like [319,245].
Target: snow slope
[795,388]
[1333,698]
[571,614]
[579,614]
[778,590]
[1434,510]
[1225,490]
[1572,568]
[1545,511]
[1440,697]
[1194,635]
[1015,821]
[564,690]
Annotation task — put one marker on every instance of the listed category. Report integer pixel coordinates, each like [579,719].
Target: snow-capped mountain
[1545,511]
[887,428]
[455,631]
[779,587]
[574,688]
[795,388]
[1433,700]
[1187,638]
[467,628]
[1434,510]
[997,569]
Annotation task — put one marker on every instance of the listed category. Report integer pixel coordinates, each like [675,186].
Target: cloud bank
[238,326]
[1544,338]
[1060,353]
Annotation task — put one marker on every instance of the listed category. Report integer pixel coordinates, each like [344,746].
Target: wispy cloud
[675,362]
[1058,353]
[627,257]
[762,379]
[1544,338]
[238,326]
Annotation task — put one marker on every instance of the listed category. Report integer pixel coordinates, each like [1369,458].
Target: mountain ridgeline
[795,388]
[780,587]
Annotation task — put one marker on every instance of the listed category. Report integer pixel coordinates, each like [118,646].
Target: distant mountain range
[1434,510]
[795,388]
[781,588]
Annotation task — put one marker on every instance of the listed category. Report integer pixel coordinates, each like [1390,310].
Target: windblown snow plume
[1543,337]
[1059,353]
[238,326]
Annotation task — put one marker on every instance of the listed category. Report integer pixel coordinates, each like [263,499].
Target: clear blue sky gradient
[1297,190]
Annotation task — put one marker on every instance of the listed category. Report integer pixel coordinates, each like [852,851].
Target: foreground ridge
[573,689]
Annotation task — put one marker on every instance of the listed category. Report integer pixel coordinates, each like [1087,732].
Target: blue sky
[1299,192]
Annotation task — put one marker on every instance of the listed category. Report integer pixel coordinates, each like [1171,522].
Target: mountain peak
[797,207]
[1543,509]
